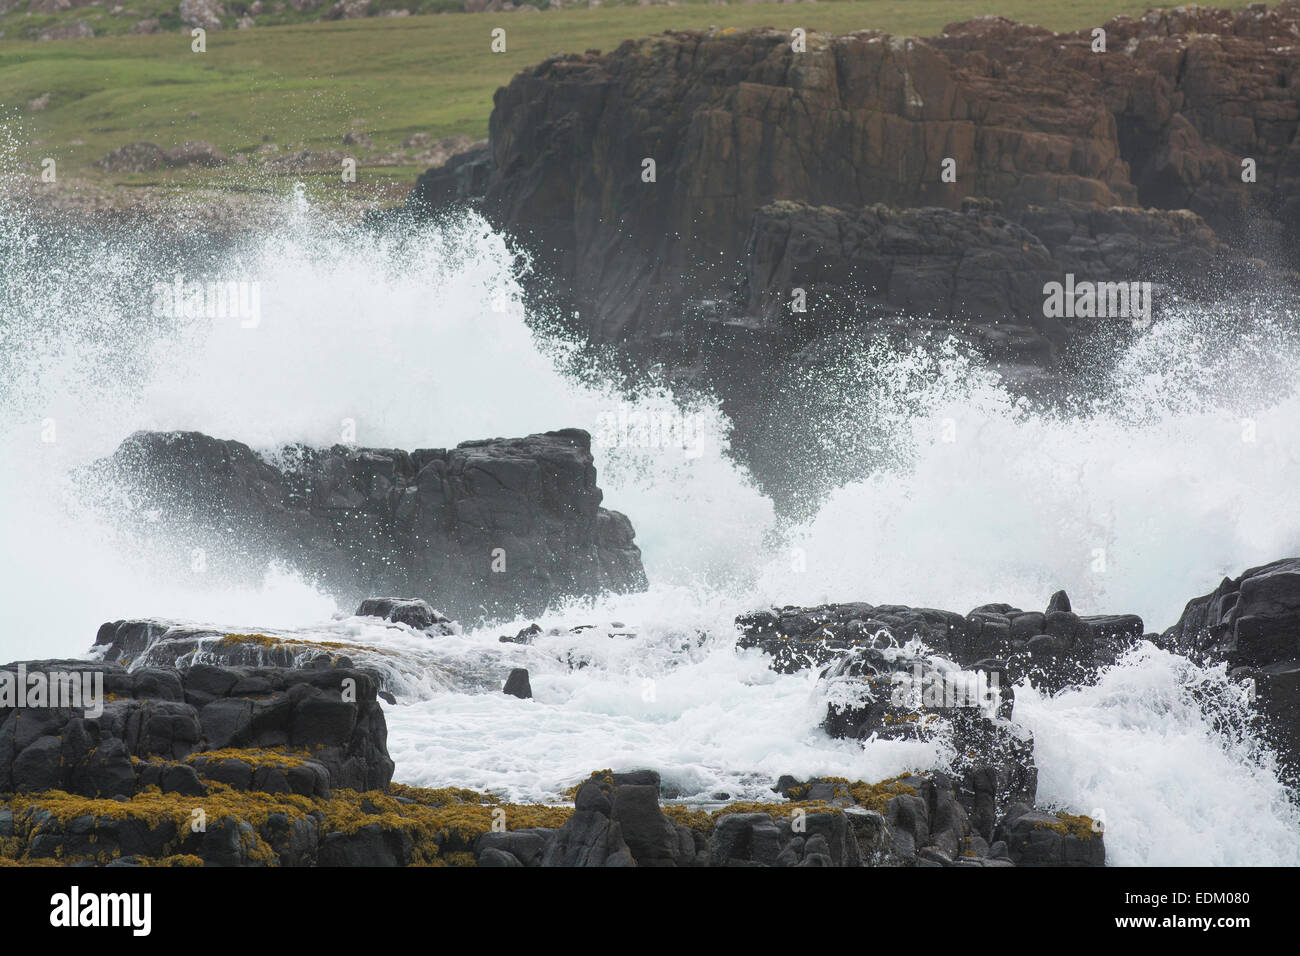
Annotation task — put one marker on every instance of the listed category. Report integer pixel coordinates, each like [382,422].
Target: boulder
[495,527]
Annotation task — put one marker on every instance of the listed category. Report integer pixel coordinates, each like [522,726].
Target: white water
[406,343]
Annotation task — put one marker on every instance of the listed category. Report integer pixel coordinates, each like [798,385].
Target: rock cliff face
[499,526]
[824,170]
[737,120]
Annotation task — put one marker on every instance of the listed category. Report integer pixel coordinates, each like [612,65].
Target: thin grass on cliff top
[306,85]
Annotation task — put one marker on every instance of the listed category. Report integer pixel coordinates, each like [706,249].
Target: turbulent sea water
[1143,497]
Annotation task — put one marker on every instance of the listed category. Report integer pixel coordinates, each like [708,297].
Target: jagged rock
[493,526]
[1253,619]
[821,171]
[869,118]
[259,709]
[517,684]
[1052,649]
[526,636]
[589,838]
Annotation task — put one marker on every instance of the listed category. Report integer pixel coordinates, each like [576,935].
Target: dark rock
[369,845]
[52,748]
[410,611]
[779,170]
[1036,838]
[745,839]
[651,837]
[588,838]
[494,857]
[1253,619]
[517,684]
[591,798]
[525,636]
[1252,622]
[500,526]
[524,846]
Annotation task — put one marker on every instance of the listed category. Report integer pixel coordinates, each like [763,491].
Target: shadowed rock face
[500,526]
[821,170]
[1252,622]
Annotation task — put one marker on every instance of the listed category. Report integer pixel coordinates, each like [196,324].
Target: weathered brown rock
[736,121]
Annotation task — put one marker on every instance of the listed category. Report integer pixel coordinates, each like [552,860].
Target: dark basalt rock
[651,838]
[517,684]
[1036,838]
[1252,622]
[1253,619]
[1053,648]
[489,527]
[332,714]
[410,611]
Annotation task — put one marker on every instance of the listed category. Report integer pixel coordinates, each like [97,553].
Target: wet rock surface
[489,527]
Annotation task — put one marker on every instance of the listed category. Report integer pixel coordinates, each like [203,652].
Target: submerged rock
[1075,646]
[410,611]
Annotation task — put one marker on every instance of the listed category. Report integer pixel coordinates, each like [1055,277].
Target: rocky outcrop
[151,643]
[893,672]
[617,820]
[734,121]
[1253,619]
[820,176]
[1051,647]
[1252,623]
[489,527]
[302,731]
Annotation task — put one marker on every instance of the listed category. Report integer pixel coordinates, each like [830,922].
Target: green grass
[309,83]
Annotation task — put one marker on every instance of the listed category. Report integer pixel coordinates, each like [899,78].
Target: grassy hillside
[306,85]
